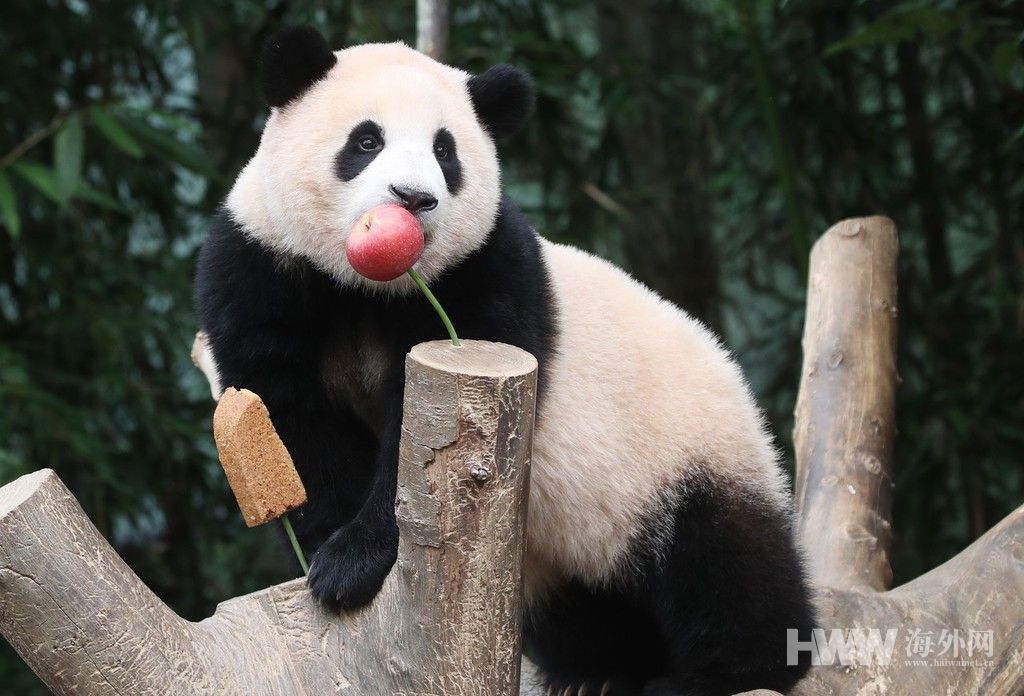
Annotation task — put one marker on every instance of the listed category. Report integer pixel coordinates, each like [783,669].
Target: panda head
[374,124]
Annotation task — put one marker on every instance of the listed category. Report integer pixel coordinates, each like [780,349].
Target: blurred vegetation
[702,144]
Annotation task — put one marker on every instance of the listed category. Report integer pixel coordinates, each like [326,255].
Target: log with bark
[845,424]
[448,618]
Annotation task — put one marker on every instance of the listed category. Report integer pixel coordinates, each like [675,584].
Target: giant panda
[660,544]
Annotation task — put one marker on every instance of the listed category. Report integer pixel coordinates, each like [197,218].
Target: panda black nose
[412,200]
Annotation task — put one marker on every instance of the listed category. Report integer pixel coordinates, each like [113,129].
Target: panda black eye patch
[448,159]
[364,143]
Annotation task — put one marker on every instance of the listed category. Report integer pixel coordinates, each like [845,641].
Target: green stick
[295,544]
[418,279]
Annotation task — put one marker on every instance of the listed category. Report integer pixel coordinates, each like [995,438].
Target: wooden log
[845,410]
[978,591]
[448,619]
[844,431]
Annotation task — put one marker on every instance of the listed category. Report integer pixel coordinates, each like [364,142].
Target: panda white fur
[660,549]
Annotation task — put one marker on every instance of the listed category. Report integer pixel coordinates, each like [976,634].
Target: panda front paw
[350,567]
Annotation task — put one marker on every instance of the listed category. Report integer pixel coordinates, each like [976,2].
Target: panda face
[384,124]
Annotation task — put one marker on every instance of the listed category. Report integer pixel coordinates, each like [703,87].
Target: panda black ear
[503,98]
[292,60]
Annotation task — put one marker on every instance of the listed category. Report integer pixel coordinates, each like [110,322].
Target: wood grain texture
[980,589]
[845,421]
[448,620]
[845,411]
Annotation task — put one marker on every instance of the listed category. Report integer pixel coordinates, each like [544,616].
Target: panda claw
[586,688]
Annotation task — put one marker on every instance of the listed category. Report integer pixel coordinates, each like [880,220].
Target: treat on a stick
[259,469]
[385,243]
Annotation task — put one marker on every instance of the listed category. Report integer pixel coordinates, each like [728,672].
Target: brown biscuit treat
[259,468]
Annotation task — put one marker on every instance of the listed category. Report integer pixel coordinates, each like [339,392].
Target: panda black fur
[660,548]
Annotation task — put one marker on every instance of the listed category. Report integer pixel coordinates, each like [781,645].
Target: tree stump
[448,620]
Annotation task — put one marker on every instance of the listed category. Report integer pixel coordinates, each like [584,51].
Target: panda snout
[413,200]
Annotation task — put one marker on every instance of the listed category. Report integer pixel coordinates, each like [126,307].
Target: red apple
[384,243]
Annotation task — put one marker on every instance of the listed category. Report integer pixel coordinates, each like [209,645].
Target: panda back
[642,400]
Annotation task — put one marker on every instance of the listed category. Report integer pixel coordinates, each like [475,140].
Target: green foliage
[108,124]
[904,22]
[701,143]
[9,207]
[68,159]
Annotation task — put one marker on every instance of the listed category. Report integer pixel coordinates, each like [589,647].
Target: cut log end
[15,493]
[448,619]
[475,358]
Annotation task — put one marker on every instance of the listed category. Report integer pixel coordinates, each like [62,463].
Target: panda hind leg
[728,586]
[593,641]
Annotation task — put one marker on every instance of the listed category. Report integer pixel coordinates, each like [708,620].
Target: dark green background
[702,145]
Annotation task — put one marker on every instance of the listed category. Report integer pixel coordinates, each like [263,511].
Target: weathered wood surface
[448,620]
[845,424]
[845,413]
[980,589]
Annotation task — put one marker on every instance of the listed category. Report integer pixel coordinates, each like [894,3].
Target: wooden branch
[845,410]
[446,622]
[844,431]
[432,28]
[34,139]
[979,590]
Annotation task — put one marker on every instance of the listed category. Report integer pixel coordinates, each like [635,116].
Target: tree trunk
[927,189]
[845,413]
[666,231]
[432,28]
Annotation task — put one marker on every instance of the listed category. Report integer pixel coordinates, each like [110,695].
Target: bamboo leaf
[166,146]
[9,207]
[109,126]
[44,180]
[40,177]
[901,24]
[69,157]
[87,193]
